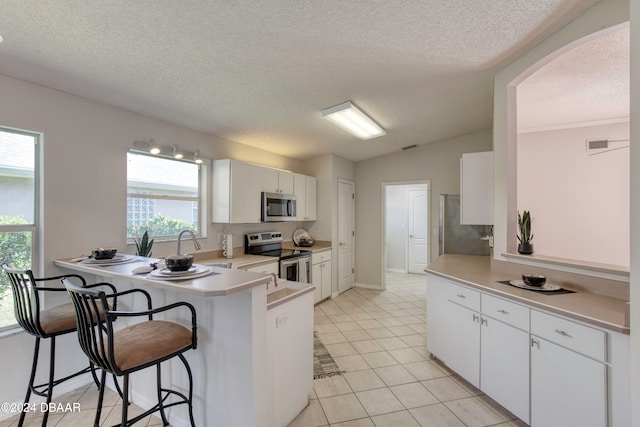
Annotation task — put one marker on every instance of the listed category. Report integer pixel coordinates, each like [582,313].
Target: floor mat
[323,364]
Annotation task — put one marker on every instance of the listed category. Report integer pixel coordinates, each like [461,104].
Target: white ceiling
[259,72]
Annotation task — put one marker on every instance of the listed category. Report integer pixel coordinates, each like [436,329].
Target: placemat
[558,292]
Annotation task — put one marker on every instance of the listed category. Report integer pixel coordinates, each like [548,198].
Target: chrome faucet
[193,237]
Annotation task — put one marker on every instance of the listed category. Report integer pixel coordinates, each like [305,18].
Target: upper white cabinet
[304,188]
[235,192]
[476,188]
[276,181]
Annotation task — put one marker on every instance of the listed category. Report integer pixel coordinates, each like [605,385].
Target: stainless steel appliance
[278,207]
[455,238]
[295,264]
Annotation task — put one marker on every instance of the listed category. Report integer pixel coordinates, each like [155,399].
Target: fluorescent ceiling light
[354,121]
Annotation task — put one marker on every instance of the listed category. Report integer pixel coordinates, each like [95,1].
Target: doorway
[346,234]
[406,229]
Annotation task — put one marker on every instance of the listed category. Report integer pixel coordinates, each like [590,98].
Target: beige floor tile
[35,419]
[401,330]
[406,355]
[436,415]
[321,319]
[420,328]
[311,416]
[351,363]
[414,340]
[424,370]
[360,316]
[331,309]
[343,408]
[366,379]
[339,318]
[379,359]
[348,326]
[332,338]
[341,349]
[496,407]
[367,346]
[392,343]
[357,335]
[394,375]
[416,311]
[446,389]
[369,324]
[395,419]
[362,422]
[331,386]
[387,306]
[326,328]
[398,312]
[422,350]
[379,401]
[413,395]
[411,320]
[473,412]
[378,333]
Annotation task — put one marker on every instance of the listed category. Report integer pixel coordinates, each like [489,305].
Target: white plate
[167,272]
[118,259]
[547,287]
[200,272]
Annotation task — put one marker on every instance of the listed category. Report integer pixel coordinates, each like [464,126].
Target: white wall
[438,163]
[84,187]
[579,202]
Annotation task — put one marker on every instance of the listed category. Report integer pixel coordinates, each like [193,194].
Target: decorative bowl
[534,279]
[104,253]
[179,262]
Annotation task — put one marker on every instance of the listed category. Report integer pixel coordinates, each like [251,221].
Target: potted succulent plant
[525,236]
[144,245]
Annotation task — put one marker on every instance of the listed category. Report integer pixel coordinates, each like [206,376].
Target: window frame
[34,228]
[199,198]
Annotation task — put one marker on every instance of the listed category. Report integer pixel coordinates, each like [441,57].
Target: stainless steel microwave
[278,207]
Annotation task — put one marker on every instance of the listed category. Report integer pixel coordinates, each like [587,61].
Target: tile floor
[378,337]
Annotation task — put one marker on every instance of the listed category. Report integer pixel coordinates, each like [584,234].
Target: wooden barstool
[48,323]
[133,347]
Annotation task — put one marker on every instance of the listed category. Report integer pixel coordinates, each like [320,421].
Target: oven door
[289,269]
[278,207]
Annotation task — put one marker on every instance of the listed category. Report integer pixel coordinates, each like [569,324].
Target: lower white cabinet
[547,370]
[321,274]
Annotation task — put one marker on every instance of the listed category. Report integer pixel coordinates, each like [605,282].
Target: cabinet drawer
[463,296]
[583,339]
[318,257]
[506,311]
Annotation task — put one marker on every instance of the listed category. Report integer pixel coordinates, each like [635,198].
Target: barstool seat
[133,348]
[42,323]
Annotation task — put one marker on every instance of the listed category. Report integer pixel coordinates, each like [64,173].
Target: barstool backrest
[94,325]
[26,301]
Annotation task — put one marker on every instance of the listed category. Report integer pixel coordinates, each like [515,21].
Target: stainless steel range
[295,264]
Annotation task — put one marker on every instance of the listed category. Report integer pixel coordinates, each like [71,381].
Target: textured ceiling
[259,72]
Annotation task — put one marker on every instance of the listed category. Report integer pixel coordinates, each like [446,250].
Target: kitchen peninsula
[552,359]
[230,365]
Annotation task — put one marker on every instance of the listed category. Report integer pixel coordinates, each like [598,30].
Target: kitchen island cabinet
[231,385]
[552,360]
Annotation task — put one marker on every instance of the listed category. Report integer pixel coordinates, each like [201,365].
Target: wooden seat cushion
[145,342]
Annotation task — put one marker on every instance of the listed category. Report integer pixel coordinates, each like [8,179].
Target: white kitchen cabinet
[437,335]
[464,358]
[276,180]
[476,188]
[304,188]
[504,366]
[289,359]
[235,192]
[568,376]
[321,274]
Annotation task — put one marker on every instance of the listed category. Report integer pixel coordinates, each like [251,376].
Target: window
[163,196]
[18,209]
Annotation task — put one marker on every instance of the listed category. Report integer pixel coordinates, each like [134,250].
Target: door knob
[342,243]
[411,236]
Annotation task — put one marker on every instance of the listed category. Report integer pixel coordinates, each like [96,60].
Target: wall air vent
[603,145]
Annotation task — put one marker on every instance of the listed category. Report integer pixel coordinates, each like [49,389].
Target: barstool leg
[186,365]
[52,364]
[159,390]
[34,366]
[103,379]
[125,400]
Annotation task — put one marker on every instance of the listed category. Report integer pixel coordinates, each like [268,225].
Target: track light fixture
[174,151]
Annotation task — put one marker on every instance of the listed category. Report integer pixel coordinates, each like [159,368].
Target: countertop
[475,271]
[318,245]
[221,282]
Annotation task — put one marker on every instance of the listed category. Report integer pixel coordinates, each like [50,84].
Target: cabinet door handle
[484,321]
[461,296]
[476,318]
[502,311]
[535,343]
[563,333]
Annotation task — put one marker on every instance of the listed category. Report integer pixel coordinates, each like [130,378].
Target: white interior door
[418,230]
[346,232]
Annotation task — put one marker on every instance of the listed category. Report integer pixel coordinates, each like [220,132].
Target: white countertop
[221,282]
